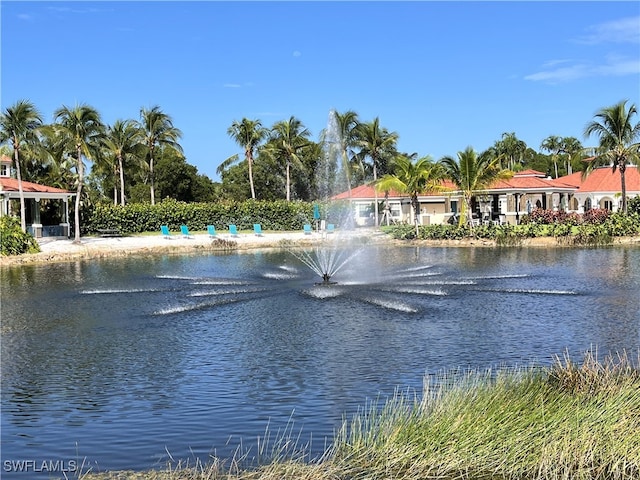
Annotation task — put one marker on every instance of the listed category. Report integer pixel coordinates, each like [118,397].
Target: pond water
[126,363]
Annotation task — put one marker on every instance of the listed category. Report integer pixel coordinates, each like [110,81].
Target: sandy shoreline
[98,247]
[139,245]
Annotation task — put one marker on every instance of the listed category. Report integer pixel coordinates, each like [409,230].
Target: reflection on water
[122,361]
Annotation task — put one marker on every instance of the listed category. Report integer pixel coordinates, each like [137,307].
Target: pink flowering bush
[596,215]
[549,217]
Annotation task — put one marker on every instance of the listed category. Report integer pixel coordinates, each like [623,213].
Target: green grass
[570,421]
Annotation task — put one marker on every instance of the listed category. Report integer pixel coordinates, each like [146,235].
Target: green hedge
[13,241]
[615,225]
[138,217]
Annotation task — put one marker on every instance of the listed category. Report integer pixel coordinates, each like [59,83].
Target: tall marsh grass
[569,421]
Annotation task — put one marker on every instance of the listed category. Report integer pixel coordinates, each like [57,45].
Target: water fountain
[332,177]
[325,261]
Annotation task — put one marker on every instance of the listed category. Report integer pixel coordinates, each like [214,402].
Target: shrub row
[138,217]
[587,231]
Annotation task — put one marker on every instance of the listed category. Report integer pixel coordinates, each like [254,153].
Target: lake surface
[120,363]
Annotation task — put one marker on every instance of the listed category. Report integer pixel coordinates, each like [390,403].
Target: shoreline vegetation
[93,247]
[570,420]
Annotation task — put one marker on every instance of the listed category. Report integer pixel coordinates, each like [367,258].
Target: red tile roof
[604,179]
[535,173]
[525,180]
[11,185]
[368,192]
[529,180]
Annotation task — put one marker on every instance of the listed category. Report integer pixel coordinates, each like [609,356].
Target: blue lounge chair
[185,231]
[233,230]
[212,231]
[330,227]
[257,229]
[164,229]
[307,229]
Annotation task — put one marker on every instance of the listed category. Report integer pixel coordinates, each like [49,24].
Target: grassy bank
[568,421]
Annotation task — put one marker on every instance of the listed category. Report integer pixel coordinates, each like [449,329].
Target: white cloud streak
[623,30]
[567,71]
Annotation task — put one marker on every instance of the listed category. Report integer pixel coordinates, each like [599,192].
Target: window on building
[364,211]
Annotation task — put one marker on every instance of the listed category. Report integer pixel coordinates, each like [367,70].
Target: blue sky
[443,75]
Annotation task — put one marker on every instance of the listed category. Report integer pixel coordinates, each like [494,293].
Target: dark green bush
[633,206]
[140,217]
[13,241]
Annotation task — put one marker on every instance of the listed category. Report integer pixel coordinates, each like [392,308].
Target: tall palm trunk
[153,192]
[115,186]
[288,181]
[249,156]
[375,193]
[623,184]
[23,213]
[387,210]
[345,165]
[416,209]
[121,180]
[76,238]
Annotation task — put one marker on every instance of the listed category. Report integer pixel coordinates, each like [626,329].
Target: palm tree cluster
[284,157]
[56,154]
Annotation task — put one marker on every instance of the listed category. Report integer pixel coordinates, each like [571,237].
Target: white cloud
[238,85]
[560,74]
[297,53]
[566,71]
[623,30]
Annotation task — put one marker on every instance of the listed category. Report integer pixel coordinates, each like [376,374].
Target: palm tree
[379,145]
[472,173]
[346,125]
[81,133]
[19,125]
[511,148]
[158,130]
[248,134]
[618,140]
[553,145]
[123,142]
[570,146]
[288,139]
[412,178]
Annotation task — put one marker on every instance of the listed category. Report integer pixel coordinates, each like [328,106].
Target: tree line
[138,160]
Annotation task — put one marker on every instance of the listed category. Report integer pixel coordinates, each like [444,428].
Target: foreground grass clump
[566,422]
[569,421]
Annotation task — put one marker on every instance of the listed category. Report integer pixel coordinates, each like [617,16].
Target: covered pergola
[54,201]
